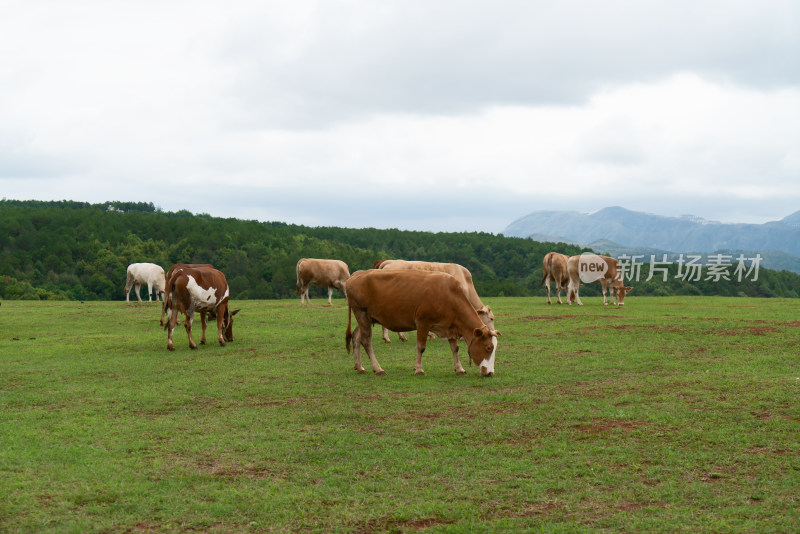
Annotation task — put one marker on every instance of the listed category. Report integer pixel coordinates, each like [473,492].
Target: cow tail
[549,268]
[348,335]
[297,289]
[167,303]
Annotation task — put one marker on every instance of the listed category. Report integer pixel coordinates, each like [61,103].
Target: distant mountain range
[617,230]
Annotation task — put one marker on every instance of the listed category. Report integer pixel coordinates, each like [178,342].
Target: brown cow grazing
[170,273]
[408,300]
[330,273]
[460,273]
[204,290]
[554,267]
[593,268]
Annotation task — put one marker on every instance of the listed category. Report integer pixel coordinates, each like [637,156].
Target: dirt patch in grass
[746,330]
[601,426]
[532,318]
[394,525]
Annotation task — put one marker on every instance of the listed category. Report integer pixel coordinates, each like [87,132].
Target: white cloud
[487,107]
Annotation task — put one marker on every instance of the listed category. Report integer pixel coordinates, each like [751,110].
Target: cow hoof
[419,372]
[381,373]
[170,347]
[461,372]
[361,371]
[193,347]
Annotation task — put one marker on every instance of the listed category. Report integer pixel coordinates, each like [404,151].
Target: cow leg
[149,291]
[573,295]
[304,298]
[188,324]
[422,339]
[365,337]
[128,287]
[558,293]
[330,294]
[547,286]
[172,317]
[357,351]
[385,335]
[456,362]
[402,336]
[221,326]
[203,323]
[137,286]
[605,288]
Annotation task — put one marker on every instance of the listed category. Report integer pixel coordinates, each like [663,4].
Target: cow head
[621,290]
[486,316]
[482,349]
[227,324]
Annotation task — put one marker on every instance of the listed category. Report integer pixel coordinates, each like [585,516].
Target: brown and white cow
[406,300]
[330,273]
[459,272]
[145,273]
[594,268]
[170,274]
[554,268]
[204,290]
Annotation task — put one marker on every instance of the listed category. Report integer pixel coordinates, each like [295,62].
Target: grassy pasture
[668,414]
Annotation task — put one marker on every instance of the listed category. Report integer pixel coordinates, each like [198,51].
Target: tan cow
[460,273]
[406,300]
[145,273]
[204,290]
[330,273]
[554,268]
[593,268]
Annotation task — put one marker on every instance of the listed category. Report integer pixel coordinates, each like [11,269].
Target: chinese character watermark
[690,267]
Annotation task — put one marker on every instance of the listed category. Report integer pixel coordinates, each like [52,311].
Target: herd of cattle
[402,296]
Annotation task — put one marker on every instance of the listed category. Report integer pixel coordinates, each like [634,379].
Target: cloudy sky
[442,115]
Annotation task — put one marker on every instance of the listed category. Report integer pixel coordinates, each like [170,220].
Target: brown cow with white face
[593,268]
[459,272]
[554,268]
[330,273]
[424,301]
[204,290]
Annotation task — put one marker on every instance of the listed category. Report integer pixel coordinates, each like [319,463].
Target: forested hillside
[80,251]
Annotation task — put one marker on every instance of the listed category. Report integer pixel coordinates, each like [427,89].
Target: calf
[424,301]
[204,290]
[330,273]
[145,273]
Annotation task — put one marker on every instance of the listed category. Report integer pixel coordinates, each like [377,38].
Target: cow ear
[478,332]
[234,312]
[496,333]
[628,288]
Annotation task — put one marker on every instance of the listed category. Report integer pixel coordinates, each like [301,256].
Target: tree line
[69,250]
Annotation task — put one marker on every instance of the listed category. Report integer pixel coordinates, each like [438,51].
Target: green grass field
[668,414]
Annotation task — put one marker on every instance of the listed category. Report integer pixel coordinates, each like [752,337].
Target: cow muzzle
[487,365]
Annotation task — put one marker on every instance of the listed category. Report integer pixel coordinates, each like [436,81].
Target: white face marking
[488,363]
[202,299]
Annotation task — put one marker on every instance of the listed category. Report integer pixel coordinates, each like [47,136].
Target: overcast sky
[428,115]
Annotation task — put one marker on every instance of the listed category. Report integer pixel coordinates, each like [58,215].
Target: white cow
[145,273]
